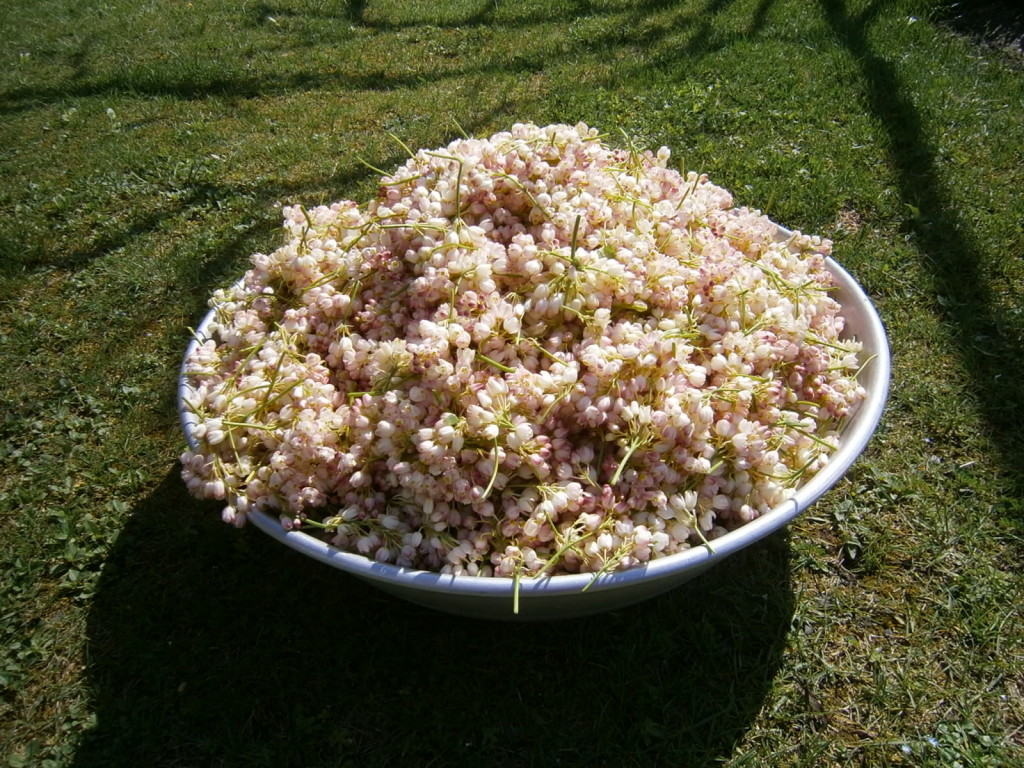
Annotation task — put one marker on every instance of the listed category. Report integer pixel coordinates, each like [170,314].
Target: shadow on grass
[985,337]
[211,646]
[242,86]
[113,233]
[207,79]
[350,11]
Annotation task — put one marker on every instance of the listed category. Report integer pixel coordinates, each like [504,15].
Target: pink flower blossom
[529,353]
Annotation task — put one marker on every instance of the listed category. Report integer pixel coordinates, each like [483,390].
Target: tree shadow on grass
[986,338]
[337,10]
[211,646]
[998,25]
[205,81]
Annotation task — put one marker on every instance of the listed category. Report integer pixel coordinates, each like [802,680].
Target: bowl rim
[854,438]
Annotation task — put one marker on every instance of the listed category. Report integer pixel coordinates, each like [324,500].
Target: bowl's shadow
[210,646]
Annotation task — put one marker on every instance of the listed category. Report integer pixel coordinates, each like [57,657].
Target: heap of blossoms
[529,354]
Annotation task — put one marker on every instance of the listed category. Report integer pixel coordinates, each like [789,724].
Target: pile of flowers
[529,354]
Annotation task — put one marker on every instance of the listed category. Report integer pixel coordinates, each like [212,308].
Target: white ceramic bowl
[559,597]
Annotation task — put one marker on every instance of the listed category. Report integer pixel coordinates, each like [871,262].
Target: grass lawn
[145,149]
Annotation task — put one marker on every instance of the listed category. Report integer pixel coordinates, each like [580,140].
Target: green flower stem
[494,472]
[572,247]
[515,588]
[495,363]
[636,443]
